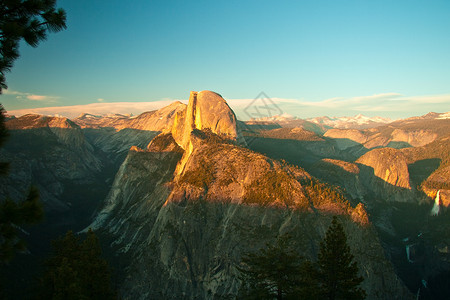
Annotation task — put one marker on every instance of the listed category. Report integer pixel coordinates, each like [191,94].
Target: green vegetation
[322,194]
[76,270]
[4,166]
[30,21]
[278,271]
[27,20]
[162,141]
[14,215]
[210,137]
[338,272]
[274,186]
[298,134]
[201,177]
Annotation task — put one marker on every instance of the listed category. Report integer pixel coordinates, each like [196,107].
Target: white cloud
[31,97]
[37,98]
[11,92]
[98,108]
[101,100]
[392,105]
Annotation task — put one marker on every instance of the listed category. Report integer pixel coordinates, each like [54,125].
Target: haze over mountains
[178,195]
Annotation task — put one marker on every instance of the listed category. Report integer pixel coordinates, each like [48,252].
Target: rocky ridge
[188,200]
[399,134]
[190,204]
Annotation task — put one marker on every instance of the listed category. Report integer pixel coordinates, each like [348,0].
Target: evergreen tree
[4,166]
[96,269]
[76,270]
[338,272]
[28,20]
[14,215]
[276,271]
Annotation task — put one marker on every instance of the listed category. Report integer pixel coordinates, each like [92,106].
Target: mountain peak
[205,110]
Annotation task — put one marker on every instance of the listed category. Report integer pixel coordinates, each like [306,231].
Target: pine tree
[338,272]
[276,271]
[28,20]
[4,166]
[95,269]
[14,215]
[76,270]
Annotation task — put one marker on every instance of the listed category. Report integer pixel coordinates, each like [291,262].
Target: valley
[178,195]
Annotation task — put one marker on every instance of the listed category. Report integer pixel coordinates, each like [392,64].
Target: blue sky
[312,52]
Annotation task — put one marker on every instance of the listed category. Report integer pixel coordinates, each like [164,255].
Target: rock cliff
[400,134]
[48,152]
[183,211]
[115,134]
[385,172]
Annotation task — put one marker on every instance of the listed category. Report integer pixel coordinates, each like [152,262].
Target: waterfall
[436,206]
[408,253]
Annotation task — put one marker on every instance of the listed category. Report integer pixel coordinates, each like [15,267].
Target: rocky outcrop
[206,110]
[193,228]
[51,153]
[158,120]
[385,172]
[415,138]
[190,205]
[389,165]
[346,137]
[399,134]
[341,173]
[115,134]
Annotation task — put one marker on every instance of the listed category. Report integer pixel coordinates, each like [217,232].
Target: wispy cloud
[392,105]
[101,100]
[31,97]
[98,108]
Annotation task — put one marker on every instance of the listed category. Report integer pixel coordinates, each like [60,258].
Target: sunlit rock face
[115,134]
[208,111]
[183,211]
[205,110]
[184,235]
[158,120]
[389,165]
[385,172]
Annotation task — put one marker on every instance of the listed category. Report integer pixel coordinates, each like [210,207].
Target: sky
[310,58]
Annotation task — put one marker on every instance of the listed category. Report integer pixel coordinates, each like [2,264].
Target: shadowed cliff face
[182,212]
[49,152]
[189,199]
[182,236]
[390,170]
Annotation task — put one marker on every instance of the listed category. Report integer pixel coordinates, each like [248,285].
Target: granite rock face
[206,111]
[183,211]
[385,172]
[183,236]
[49,152]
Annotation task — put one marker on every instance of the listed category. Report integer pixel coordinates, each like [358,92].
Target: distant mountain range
[356,122]
[177,195]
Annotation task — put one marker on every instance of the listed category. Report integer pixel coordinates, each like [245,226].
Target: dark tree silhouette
[14,215]
[28,20]
[338,273]
[76,270]
[277,271]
